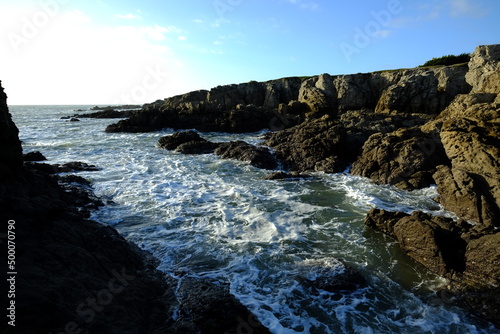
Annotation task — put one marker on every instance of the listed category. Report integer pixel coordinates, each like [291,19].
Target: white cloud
[305,4]
[466,8]
[129,16]
[71,59]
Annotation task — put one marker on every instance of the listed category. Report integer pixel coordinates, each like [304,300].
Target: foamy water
[207,217]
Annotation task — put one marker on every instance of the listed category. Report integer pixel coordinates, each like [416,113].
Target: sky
[103,52]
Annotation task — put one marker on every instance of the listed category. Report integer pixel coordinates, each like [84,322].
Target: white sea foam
[207,217]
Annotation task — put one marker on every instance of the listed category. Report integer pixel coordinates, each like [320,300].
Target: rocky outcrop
[187,142]
[214,310]
[257,156]
[239,108]
[426,91]
[484,69]
[255,106]
[406,158]
[469,130]
[330,145]
[11,153]
[317,145]
[190,142]
[467,255]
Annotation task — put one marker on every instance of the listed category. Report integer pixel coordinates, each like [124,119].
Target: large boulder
[484,69]
[471,187]
[214,310]
[406,158]
[187,142]
[433,241]
[469,256]
[318,145]
[259,157]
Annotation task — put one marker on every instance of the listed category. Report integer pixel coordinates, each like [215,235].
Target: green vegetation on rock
[448,60]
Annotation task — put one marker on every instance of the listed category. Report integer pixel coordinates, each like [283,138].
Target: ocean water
[206,217]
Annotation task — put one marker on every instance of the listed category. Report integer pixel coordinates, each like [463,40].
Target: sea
[205,217]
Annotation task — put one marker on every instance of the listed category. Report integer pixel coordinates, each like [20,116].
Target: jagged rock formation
[406,158]
[190,142]
[470,133]
[469,256]
[76,275]
[255,106]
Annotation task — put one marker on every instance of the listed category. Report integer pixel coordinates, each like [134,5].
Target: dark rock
[318,145]
[467,255]
[257,156]
[74,119]
[187,142]
[285,176]
[69,167]
[214,310]
[331,275]
[406,158]
[433,241]
[123,107]
[11,152]
[173,141]
[34,156]
[81,276]
[107,114]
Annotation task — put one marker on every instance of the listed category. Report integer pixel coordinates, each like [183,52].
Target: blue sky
[118,52]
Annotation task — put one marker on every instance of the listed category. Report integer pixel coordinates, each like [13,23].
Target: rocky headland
[410,128]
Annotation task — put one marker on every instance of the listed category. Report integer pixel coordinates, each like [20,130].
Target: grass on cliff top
[448,60]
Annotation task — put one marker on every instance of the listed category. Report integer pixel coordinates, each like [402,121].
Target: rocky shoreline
[79,276]
[409,128]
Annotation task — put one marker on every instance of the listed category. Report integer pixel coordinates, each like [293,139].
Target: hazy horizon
[64,52]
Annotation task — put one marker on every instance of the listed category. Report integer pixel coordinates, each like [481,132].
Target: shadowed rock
[257,156]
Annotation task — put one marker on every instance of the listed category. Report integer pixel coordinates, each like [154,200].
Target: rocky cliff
[77,276]
[11,153]
[285,102]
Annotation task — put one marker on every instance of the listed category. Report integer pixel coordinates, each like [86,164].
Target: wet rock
[285,176]
[469,256]
[214,310]
[257,156]
[34,156]
[330,275]
[187,142]
[433,241]
[406,158]
[318,145]
[74,119]
[108,114]
[466,194]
